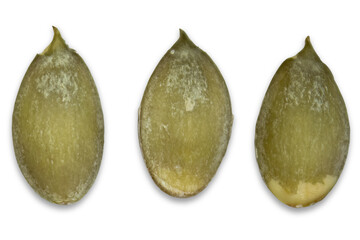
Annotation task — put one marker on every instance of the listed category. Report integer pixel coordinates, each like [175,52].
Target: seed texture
[58,126]
[302,132]
[185,120]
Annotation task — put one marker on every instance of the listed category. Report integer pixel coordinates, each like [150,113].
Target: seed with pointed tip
[302,132]
[58,127]
[185,120]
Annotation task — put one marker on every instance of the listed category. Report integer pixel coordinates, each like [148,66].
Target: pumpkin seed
[302,132]
[185,120]
[58,126]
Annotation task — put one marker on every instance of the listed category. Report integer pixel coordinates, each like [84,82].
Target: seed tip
[56,31]
[57,43]
[183,34]
[184,38]
[308,43]
[308,51]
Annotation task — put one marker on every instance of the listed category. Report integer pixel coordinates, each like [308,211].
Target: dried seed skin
[302,132]
[58,126]
[185,120]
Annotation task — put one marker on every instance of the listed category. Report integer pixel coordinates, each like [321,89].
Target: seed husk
[302,132]
[58,126]
[185,120]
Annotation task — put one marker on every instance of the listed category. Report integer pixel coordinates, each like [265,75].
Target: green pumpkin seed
[58,126]
[185,120]
[302,132]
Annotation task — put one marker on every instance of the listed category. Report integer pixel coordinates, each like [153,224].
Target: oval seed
[58,126]
[185,120]
[302,132]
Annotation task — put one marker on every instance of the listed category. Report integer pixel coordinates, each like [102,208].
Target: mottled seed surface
[58,127]
[302,132]
[185,120]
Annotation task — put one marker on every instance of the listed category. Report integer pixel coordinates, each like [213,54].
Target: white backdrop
[122,42]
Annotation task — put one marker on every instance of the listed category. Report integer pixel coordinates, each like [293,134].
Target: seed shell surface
[58,126]
[185,120]
[302,132]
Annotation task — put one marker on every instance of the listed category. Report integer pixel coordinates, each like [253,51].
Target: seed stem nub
[184,38]
[308,51]
[56,44]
